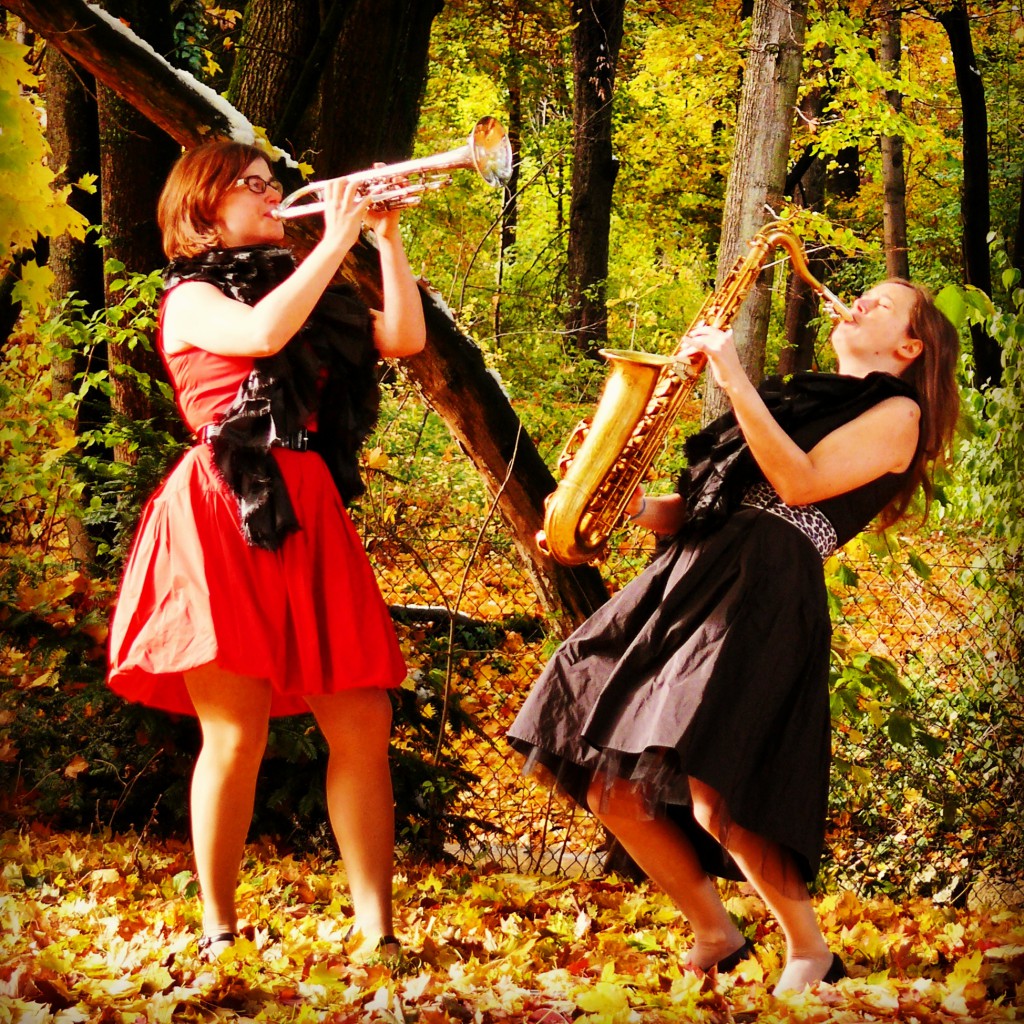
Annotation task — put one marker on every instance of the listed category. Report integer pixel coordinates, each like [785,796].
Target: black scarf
[720,464]
[328,369]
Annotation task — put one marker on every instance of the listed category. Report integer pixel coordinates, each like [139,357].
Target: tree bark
[150,83]
[1018,235]
[77,266]
[595,51]
[974,200]
[450,372]
[380,92]
[276,45]
[894,210]
[134,159]
[510,210]
[802,303]
[758,171]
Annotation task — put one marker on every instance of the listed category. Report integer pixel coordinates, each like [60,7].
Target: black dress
[714,662]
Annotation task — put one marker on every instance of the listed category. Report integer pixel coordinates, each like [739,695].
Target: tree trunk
[802,304]
[805,183]
[974,200]
[894,210]
[276,46]
[450,372]
[758,171]
[380,92]
[1018,235]
[135,157]
[595,52]
[454,380]
[147,82]
[77,266]
[510,210]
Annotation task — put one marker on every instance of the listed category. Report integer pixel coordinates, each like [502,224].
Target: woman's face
[880,325]
[245,217]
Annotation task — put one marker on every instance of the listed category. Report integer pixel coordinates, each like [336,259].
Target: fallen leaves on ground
[103,928]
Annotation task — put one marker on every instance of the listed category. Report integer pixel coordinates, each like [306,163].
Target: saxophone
[609,454]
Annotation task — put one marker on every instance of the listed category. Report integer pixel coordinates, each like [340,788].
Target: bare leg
[774,874]
[357,727]
[668,858]
[233,713]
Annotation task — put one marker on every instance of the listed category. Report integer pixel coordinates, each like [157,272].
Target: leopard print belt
[808,519]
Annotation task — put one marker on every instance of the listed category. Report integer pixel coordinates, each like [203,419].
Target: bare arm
[879,441]
[199,315]
[399,329]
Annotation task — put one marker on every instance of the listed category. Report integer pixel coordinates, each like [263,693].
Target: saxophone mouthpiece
[837,309]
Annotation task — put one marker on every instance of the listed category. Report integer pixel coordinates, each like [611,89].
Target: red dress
[309,616]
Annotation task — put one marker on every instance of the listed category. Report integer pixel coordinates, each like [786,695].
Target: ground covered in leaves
[103,928]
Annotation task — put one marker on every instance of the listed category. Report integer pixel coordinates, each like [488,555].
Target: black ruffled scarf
[328,370]
[720,464]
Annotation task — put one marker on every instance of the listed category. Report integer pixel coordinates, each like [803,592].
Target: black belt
[302,440]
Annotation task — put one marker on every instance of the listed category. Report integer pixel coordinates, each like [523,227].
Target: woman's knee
[353,721]
[707,807]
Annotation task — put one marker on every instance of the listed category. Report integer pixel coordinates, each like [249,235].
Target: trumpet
[487,151]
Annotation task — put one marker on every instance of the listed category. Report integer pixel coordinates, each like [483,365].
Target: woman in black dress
[691,712]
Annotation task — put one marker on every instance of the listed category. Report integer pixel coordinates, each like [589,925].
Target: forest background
[651,141]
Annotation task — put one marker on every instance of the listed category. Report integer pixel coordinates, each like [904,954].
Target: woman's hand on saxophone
[720,349]
[662,515]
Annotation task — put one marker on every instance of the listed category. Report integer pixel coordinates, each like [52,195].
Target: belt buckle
[300,440]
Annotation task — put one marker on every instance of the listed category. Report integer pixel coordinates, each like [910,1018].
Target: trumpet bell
[491,152]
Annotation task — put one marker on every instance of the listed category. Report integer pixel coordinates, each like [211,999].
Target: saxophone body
[610,454]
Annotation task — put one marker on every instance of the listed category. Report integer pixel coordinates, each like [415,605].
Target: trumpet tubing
[609,455]
[487,151]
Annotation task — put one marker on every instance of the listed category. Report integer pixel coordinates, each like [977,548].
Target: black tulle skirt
[713,663]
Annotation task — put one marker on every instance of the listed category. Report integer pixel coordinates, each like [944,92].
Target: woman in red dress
[248,593]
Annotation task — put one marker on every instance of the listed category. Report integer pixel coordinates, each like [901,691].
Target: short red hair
[187,210]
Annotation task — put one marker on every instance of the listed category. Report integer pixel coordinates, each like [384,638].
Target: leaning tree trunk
[758,172]
[974,199]
[595,52]
[450,372]
[894,210]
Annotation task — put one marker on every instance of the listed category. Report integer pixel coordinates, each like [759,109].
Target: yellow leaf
[606,998]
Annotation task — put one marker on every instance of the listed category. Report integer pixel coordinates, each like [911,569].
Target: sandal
[735,958]
[387,950]
[207,942]
[836,971]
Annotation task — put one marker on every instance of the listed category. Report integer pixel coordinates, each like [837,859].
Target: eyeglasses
[254,183]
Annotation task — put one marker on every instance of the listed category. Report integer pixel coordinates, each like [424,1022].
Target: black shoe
[836,971]
[735,958]
[206,942]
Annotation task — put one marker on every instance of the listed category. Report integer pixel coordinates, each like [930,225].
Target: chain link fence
[928,789]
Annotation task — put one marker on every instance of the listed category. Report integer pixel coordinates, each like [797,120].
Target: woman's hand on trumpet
[384,222]
[344,212]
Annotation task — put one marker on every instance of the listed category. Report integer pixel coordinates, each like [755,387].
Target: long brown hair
[933,374]
[187,210]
